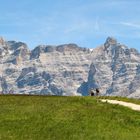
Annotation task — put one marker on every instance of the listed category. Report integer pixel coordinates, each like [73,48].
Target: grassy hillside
[65,118]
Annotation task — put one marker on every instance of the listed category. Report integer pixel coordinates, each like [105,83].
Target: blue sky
[85,22]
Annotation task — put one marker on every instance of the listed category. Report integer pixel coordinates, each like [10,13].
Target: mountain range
[69,69]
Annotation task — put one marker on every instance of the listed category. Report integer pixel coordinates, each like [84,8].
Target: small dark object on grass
[92,93]
[97,91]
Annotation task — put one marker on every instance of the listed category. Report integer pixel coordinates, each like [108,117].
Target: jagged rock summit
[115,69]
[2,42]
[69,69]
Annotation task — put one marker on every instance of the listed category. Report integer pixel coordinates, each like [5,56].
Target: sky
[85,22]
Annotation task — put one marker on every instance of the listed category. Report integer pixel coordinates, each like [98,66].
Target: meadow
[66,118]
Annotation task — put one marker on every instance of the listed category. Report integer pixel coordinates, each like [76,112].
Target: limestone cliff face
[57,70]
[117,70]
[69,69]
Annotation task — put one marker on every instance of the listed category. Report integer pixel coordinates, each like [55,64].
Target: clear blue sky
[85,22]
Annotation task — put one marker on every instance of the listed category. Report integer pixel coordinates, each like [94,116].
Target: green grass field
[65,118]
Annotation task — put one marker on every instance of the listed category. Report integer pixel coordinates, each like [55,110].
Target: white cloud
[130,24]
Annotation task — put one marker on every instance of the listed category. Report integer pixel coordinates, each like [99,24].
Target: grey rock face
[2,42]
[69,69]
[36,52]
[115,70]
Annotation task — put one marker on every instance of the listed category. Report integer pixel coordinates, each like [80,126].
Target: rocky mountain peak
[13,45]
[71,47]
[116,51]
[2,41]
[68,47]
[112,44]
[111,41]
